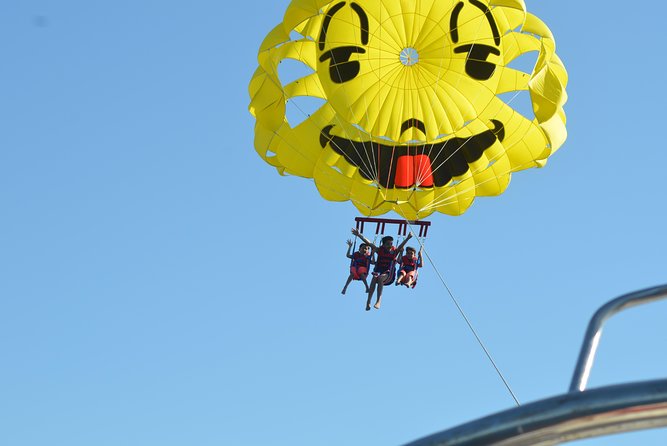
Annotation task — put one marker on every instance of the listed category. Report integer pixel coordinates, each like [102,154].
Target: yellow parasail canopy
[417,111]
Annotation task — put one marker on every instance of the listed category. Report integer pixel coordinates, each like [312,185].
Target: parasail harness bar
[402,225]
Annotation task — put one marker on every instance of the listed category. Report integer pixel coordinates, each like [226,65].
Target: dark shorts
[388,279]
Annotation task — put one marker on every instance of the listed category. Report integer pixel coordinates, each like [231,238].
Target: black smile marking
[450,158]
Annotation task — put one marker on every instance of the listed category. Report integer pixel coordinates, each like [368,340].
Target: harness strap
[354,249]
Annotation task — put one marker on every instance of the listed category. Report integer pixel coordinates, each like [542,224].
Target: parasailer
[360,263]
[410,264]
[384,271]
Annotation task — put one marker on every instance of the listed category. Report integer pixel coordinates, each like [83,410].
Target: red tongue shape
[411,168]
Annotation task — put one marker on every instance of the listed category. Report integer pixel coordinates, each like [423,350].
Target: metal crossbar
[402,225]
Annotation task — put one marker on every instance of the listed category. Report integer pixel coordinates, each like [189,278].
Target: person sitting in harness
[385,265]
[410,262]
[360,264]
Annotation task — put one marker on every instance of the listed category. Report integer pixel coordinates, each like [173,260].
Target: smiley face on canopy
[417,111]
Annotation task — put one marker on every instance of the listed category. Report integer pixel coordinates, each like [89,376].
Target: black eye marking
[477,66]
[453,22]
[327,21]
[341,69]
[363,22]
[489,17]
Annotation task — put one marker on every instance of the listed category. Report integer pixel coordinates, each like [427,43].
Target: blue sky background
[160,284]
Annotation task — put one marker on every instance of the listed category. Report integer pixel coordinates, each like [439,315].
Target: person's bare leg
[410,281]
[370,293]
[349,279]
[380,283]
[401,276]
[363,279]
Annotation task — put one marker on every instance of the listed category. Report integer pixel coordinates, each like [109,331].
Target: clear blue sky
[161,285]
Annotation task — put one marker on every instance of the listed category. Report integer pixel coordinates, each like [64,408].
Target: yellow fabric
[402,82]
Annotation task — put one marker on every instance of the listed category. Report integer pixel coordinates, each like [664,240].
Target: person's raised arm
[361,236]
[349,250]
[400,247]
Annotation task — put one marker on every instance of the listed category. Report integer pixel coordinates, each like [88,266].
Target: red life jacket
[359,259]
[410,262]
[384,259]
